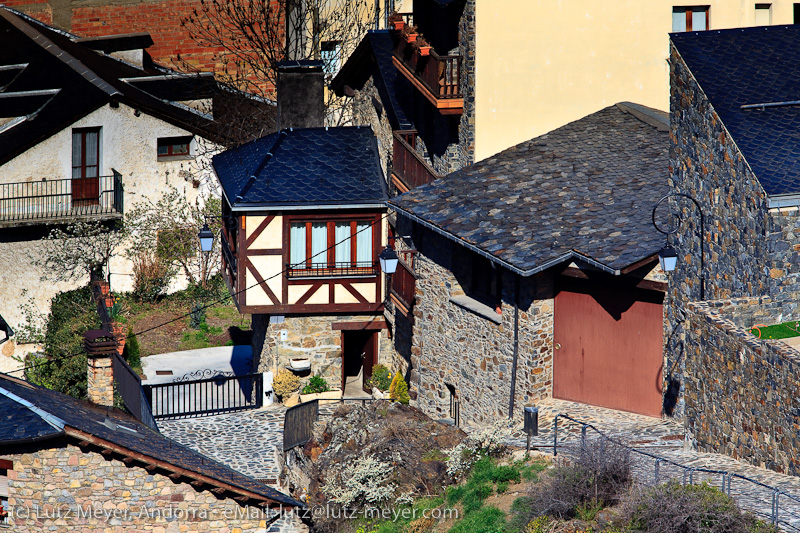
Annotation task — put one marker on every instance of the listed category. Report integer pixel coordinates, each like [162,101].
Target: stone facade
[750,250]
[309,336]
[473,350]
[64,488]
[742,392]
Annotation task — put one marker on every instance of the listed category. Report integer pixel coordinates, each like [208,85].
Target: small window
[174,147]
[343,248]
[763,14]
[5,466]
[331,57]
[690,18]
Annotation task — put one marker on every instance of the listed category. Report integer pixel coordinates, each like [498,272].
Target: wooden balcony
[438,77]
[403,290]
[409,169]
[58,201]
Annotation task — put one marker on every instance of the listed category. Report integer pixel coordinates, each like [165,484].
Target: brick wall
[55,488]
[162,19]
[742,393]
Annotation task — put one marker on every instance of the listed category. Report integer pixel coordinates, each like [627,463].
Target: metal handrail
[332,270]
[689,471]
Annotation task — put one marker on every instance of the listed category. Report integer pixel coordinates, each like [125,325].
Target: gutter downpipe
[516,349]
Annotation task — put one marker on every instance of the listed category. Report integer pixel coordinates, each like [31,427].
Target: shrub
[381,377]
[359,483]
[315,385]
[597,478]
[486,520]
[393,386]
[401,391]
[151,277]
[688,508]
[132,352]
[285,383]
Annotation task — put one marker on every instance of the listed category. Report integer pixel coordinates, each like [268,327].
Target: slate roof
[304,167]
[373,58]
[37,57]
[583,191]
[751,66]
[111,425]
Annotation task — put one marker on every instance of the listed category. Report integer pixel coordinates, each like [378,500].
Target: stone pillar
[100,347]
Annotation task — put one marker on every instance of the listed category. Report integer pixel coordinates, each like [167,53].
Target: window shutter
[3,485]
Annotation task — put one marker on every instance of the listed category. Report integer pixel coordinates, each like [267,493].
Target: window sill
[480,309]
[164,158]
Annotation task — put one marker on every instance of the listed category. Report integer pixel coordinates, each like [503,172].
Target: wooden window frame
[82,163]
[688,13]
[170,143]
[331,269]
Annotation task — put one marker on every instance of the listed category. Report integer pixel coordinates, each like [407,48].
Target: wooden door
[370,358]
[607,344]
[85,167]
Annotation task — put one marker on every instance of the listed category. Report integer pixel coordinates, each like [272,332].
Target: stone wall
[66,489]
[750,250]
[365,114]
[742,393]
[473,351]
[312,337]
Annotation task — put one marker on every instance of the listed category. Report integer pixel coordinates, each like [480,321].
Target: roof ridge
[61,54]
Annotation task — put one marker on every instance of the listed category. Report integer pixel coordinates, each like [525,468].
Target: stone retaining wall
[66,489]
[742,393]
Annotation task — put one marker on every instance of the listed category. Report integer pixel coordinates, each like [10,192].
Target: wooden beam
[361,325]
[572,272]
[638,264]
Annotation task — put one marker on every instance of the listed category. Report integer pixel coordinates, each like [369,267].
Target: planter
[425,51]
[398,24]
[300,363]
[292,400]
[411,37]
[118,329]
[332,396]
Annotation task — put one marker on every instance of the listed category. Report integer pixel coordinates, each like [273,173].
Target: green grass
[785,330]
[486,520]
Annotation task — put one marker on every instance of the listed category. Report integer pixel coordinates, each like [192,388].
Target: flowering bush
[360,483]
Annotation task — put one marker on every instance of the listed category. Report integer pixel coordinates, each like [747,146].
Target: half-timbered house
[304,222]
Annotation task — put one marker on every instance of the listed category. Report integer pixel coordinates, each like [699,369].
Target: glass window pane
[678,19]
[364,243]
[91,148]
[76,154]
[699,19]
[319,242]
[342,238]
[297,249]
[163,149]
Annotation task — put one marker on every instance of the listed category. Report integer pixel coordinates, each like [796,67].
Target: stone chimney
[100,347]
[301,86]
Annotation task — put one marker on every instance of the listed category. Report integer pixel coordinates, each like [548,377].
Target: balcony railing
[61,199]
[404,287]
[410,167]
[438,76]
[333,270]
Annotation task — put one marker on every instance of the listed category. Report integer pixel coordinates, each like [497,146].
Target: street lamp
[667,257]
[206,238]
[389,260]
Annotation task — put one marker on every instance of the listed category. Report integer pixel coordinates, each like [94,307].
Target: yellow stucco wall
[543,63]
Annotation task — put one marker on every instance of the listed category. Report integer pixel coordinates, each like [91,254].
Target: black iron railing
[220,394]
[298,424]
[48,199]
[332,270]
[129,386]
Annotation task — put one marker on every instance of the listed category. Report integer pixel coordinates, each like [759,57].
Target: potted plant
[397,20]
[118,328]
[423,46]
[285,384]
[410,33]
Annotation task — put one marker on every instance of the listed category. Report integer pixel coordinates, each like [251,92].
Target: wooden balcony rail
[332,270]
[437,76]
[60,199]
[407,165]
[404,286]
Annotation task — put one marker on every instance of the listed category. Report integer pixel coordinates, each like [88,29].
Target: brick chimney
[100,347]
[300,94]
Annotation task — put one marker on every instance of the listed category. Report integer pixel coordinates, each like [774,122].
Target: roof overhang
[571,255]
[304,207]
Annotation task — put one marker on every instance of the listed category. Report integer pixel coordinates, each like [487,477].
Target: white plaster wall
[128,144]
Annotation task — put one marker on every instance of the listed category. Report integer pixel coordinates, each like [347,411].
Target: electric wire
[204,307]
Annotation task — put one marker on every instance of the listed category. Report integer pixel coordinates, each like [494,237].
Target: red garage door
[608,346]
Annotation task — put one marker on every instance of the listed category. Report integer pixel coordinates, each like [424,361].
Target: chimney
[301,86]
[100,345]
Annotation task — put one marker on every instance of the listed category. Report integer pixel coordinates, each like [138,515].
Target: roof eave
[566,256]
[263,206]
